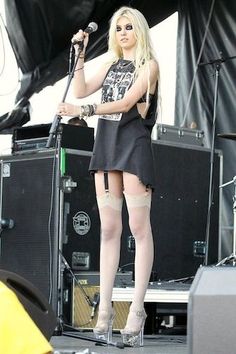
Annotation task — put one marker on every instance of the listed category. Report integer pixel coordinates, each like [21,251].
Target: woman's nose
[123,31]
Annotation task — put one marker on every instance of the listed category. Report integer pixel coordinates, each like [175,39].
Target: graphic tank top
[123,140]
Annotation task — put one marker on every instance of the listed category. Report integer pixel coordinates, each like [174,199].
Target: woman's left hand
[67,109]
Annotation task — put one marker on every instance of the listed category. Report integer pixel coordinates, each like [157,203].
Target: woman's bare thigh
[115,183]
[132,184]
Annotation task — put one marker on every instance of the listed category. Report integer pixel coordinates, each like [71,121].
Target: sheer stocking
[111,228]
[139,221]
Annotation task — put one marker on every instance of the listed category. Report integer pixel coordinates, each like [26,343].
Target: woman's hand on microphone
[80,37]
[68,109]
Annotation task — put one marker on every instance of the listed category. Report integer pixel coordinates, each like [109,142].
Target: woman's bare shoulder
[153,64]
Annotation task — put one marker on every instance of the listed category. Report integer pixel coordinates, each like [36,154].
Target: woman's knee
[111,230]
[139,213]
[139,228]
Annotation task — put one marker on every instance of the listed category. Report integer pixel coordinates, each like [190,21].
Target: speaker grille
[81,310]
[26,198]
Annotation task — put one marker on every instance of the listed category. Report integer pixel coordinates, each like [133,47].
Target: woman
[122,158]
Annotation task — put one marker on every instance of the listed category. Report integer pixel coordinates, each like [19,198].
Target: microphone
[7,223]
[92,27]
[95,303]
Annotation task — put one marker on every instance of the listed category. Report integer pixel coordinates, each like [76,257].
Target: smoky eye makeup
[128,27]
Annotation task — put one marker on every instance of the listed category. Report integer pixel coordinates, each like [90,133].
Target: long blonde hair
[144,51]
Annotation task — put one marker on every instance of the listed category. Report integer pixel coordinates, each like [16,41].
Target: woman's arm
[132,96]
[82,87]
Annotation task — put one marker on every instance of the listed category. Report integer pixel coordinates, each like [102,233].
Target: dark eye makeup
[128,27]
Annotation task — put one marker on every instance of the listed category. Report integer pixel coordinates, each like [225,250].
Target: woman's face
[125,34]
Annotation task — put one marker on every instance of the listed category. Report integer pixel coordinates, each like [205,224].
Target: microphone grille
[93,26]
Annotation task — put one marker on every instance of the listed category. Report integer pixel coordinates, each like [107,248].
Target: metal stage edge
[152,295]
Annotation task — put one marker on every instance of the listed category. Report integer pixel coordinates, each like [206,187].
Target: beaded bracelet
[88,110]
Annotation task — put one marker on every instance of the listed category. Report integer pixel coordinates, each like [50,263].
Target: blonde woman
[122,160]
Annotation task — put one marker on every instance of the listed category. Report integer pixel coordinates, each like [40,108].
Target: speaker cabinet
[81,310]
[85,291]
[212,311]
[50,200]
[179,211]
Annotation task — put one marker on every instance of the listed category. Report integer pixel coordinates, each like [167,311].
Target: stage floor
[166,293]
[153,344]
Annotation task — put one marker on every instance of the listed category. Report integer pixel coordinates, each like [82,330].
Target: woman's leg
[138,200]
[110,205]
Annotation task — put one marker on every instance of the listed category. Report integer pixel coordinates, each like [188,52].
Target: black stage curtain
[199,43]
[40,33]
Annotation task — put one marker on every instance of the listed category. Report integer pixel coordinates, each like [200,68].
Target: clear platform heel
[103,328]
[133,337]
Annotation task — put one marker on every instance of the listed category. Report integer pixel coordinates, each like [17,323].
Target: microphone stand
[217,63]
[76,333]
[54,131]
[57,118]
[87,298]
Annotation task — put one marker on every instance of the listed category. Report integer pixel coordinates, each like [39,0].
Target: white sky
[45,102]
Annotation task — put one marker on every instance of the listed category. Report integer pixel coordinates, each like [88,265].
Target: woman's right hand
[81,37]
